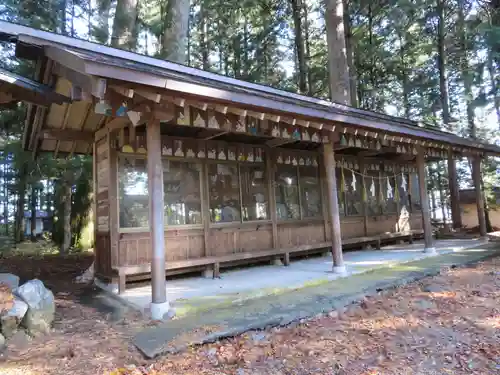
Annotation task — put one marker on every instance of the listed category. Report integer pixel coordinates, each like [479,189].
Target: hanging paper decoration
[365,197]
[372,188]
[381,192]
[353,182]
[404,184]
[350,142]
[378,146]
[343,141]
[358,143]
[398,149]
[389,189]
[396,193]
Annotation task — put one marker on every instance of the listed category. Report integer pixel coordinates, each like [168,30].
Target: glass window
[310,192]
[287,193]
[353,193]
[340,192]
[389,203]
[133,195]
[224,190]
[254,192]
[373,193]
[182,192]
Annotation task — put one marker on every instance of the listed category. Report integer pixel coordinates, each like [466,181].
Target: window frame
[314,157]
[241,222]
[165,226]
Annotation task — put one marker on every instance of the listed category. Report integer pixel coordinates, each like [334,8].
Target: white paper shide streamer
[404,184]
[353,182]
[389,189]
[372,188]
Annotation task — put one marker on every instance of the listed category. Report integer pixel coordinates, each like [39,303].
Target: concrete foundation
[261,280]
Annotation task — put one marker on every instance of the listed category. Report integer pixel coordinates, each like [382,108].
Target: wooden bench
[215,261]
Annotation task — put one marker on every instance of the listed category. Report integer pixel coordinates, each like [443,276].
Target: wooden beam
[76,78]
[68,135]
[115,124]
[128,93]
[149,95]
[215,135]
[276,142]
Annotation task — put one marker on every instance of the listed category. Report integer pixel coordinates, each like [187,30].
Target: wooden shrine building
[194,171]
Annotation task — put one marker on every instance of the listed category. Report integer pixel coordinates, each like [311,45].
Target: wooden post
[456,217]
[159,304]
[363,199]
[272,199]
[333,204]
[476,177]
[424,201]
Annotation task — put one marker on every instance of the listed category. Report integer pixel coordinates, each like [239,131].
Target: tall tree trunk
[33,213]
[494,86]
[204,37]
[299,45]
[101,31]
[350,54]
[338,70]
[467,79]
[62,9]
[441,59]
[310,90]
[19,221]
[246,48]
[125,25]
[72,31]
[465,70]
[175,37]
[404,74]
[237,56]
[66,217]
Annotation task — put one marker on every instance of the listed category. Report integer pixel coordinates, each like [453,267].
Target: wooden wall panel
[382,224]
[135,248]
[416,221]
[296,234]
[223,241]
[350,227]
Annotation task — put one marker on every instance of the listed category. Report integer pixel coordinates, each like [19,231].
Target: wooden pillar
[456,217]
[476,178]
[424,200]
[364,199]
[159,304]
[333,205]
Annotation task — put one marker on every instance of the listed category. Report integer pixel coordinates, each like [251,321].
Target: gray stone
[9,279]
[12,318]
[41,306]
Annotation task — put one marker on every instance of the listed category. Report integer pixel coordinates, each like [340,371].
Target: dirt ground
[448,324]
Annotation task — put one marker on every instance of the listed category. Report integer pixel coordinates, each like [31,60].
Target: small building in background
[468,208]
[43,222]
